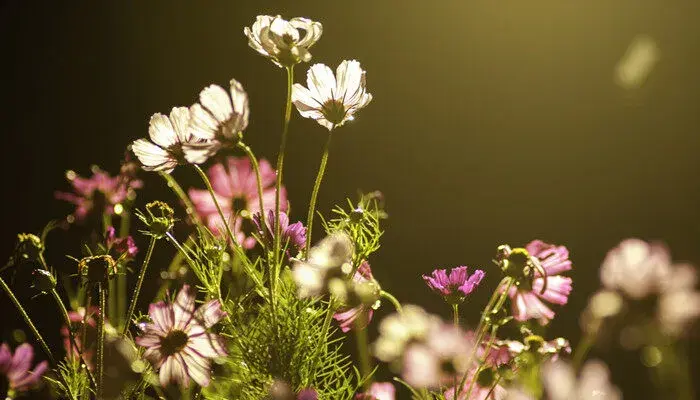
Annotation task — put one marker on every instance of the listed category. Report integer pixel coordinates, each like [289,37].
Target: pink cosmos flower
[101,192]
[177,341]
[15,368]
[455,286]
[434,362]
[293,235]
[307,394]
[527,299]
[236,191]
[378,391]
[123,248]
[636,267]
[358,316]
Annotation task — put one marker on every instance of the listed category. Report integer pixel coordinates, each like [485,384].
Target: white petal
[180,120]
[239,99]
[349,79]
[198,153]
[215,99]
[152,157]
[202,123]
[280,28]
[321,82]
[313,31]
[161,131]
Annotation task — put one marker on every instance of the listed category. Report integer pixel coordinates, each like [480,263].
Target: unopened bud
[97,269]
[29,247]
[44,281]
[159,218]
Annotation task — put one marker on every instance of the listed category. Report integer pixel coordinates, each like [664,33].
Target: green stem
[363,353]
[180,193]
[455,315]
[582,350]
[393,300]
[122,289]
[28,321]
[280,161]
[142,274]
[256,169]
[314,194]
[101,340]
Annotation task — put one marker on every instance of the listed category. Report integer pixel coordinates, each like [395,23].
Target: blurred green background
[492,122]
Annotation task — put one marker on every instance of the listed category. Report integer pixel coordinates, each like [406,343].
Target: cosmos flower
[123,248]
[360,315]
[526,299]
[220,117]
[282,41]
[293,235]
[679,302]
[332,100]
[378,391]
[99,194]
[178,342]
[235,186]
[456,286]
[635,267]
[331,256]
[560,382]
[14,368]
[171,143]
[397,330]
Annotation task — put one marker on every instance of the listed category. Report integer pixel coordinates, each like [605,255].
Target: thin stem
[256,168]
[393,300]
[582,350]
[142,274]
[204,177]
[122,289]
[363,353]
[101,339]
[455,315]
[180,193]
[280,161]
[314,194]
[28,321]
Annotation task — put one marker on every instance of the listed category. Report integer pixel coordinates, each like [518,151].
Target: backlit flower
[378,391]
[332,100]
[329,258]
[560,382]
[284,42]
[235,186]
[14,369]
[526,299]
[171,143]
[679,302]
[122,248]
[456,285]
[397,330]
[635,267]
[178,342]
[98,194]
[359,316]
[293,236]
[220,116]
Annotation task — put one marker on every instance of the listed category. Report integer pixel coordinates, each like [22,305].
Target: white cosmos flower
[332,100]
[220,116]
[171,143]
[281,40]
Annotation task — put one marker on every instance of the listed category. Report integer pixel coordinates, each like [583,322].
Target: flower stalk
[280,161]
[207,183]
[180,193]
[139,283]
[393,300]
[101,339]
[314,194]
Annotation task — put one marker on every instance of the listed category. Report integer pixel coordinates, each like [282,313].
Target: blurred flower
[332,100]
[294,235]
[378,391]
[360,315]
[635,267]
[679,302]
[536,344]
[171,143]
[177,341]
[550,286]
[328,258]
[281,41]
[455,286]
[14,368]
[86,344]
[124,248]
[307,394]
[478,392]
[236,190]
[397,330]
[99,193]
[560,382]
[219,117]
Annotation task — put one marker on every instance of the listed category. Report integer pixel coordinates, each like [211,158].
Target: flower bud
[159,218]
[97,269]
[28,248]
[44,281]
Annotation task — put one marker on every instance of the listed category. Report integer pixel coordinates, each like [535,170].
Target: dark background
[492,122]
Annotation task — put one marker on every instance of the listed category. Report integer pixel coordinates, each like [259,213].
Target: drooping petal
[558,289]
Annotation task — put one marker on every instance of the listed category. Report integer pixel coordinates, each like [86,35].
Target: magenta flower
[527,299]
[455,286]
[177,341]
[101,192]
[14,369]
[358,316]
[236,191]
[293,235]
[124,248]
[378,391]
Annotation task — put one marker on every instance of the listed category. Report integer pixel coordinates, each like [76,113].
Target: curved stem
[28,321]
[280,161]
[180,193]
[314,195]
[101,339]
[137,290]
[393,300]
